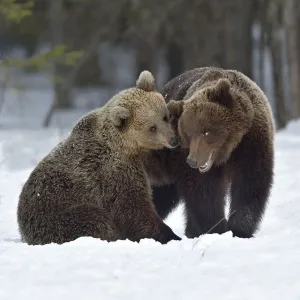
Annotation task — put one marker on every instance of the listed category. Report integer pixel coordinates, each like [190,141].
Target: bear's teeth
[208,163]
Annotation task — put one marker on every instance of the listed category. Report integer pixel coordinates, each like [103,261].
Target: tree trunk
[174,57]
[89,75]
[237,28]
[272,20]
[262,16]
[276,53]
[261,56]
[292,43]
[146,54]
[62,99]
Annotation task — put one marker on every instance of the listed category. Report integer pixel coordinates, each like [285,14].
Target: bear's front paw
[220,227]
[241,234]
[166,235]
[240,227]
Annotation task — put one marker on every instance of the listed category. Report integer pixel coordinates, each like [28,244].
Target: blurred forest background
[65,57]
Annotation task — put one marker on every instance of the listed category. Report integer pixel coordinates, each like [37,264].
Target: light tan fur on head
[139,118]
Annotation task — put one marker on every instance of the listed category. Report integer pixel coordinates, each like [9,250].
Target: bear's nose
[174,141]
[191,163]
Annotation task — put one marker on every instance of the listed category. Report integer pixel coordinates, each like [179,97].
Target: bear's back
[184,85]
[74,171]
[177,88]
[263,116]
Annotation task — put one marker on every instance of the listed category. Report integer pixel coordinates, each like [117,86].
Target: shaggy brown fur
[226,134]
[94,183]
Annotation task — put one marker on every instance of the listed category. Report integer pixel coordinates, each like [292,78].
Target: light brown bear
[226,131]
[93,183]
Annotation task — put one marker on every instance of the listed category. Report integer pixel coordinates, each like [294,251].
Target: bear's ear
[220,93]
[119,115]
[146,82]
[175,108]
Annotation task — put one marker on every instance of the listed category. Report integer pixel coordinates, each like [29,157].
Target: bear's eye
[153,128]
[205,133]
[166,119]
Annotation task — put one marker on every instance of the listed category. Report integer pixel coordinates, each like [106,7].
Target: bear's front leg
[136,216]
[165,199]
[252,179]
[204,196]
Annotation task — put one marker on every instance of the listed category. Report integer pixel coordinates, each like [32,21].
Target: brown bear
[226,132]
[94,183]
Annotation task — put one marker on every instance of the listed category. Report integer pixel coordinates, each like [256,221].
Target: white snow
[209,267]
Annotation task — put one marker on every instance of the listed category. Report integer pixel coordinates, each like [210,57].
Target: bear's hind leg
[68,224]
[88,220]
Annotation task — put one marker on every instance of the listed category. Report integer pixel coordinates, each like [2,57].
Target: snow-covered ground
[209,267]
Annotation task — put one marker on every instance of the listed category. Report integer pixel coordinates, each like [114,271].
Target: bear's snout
[192,163]
[174,141]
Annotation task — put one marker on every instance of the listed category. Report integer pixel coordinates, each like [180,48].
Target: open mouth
[207,165]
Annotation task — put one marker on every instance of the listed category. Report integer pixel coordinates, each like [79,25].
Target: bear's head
[141,117]
[211,123]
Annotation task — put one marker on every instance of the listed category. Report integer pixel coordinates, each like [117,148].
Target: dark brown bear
[94,183]
[226,134]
